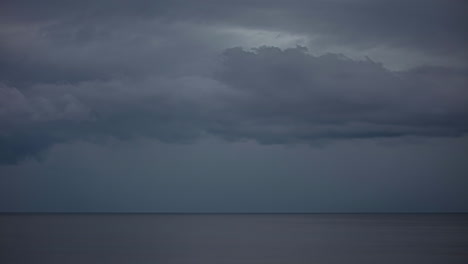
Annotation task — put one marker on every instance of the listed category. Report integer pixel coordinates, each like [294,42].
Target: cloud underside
[266,94]
[171,71]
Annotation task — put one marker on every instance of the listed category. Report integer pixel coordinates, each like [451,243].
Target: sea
[233,238]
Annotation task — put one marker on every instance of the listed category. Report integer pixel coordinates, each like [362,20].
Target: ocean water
[233,238]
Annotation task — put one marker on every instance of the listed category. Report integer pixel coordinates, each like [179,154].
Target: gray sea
[233,238]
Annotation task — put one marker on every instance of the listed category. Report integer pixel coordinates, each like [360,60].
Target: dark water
[218,239]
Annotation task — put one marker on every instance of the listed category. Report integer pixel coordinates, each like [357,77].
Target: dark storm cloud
[267,94]
[41,116]
[90,70]
[289,95]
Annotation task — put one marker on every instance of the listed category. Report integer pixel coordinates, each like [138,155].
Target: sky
[234,106]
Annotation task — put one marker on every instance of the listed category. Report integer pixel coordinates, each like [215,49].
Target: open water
[233,238]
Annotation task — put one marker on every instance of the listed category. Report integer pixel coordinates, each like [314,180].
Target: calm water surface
[231,238]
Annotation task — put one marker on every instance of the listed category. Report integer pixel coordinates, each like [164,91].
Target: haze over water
[234,238]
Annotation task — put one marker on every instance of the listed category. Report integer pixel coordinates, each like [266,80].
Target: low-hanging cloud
[300,97]
[266,94]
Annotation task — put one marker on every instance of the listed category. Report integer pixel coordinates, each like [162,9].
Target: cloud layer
[267,94]
[168,70]
[421,25]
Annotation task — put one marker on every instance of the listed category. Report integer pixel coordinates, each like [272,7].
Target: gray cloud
[91,70]
[267,94]
[290,95]
[76,52]
[429,26]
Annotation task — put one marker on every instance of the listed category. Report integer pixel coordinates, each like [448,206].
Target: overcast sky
[234,106]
